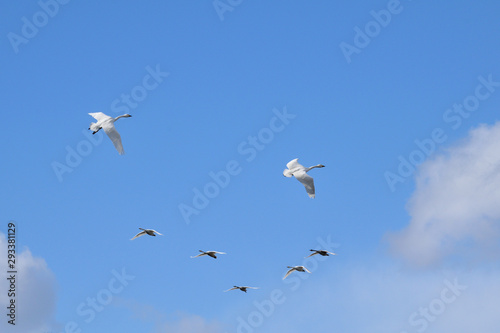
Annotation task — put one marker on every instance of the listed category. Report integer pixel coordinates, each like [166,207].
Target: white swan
[208,253]
[150,232]
[295,268]
[241,288]
[300,173]
[107,123]
[321,253]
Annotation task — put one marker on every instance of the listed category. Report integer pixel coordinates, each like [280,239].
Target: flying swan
[150,232]
[295,268]
[241,288]
[300,173]
[208,253]
[321,253]
[107,123]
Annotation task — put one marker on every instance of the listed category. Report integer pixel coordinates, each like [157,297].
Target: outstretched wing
[293,164]
[199,255]
[307,181]
[138,235]
[311,254]
[288,273]
[157,232]
[233,288]
[115,137]
[99,116]
[305,268]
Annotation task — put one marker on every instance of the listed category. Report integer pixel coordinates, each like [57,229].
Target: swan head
[321,166]
[127,115]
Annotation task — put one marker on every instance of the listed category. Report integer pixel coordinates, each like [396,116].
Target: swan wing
[156,232]
[138,235]
[289,272]
[99,116]
[115,137]
[311,254]
[294,164]
[199,255]
[306,269]
[307,181]
[233,288]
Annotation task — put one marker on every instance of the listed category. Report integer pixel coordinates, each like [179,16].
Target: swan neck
[312,167]
[122,116]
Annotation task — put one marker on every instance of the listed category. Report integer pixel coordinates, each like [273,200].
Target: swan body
[294,168]
[208,253]
[321,253]
[106,123]
[295,268]
[241,288]
[149,232]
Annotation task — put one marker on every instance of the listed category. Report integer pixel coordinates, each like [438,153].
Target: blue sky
[211,83]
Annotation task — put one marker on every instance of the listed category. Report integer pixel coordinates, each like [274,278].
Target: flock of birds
[294,169]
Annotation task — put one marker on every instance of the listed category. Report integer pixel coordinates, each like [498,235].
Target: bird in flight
[321,253]
[208,253]
[107,124]
[241,288]
[294,168]
[295,268]
[150,232]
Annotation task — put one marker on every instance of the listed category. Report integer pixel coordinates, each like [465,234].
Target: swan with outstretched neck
[150,232]
[106,123]
[208,253]
[295,269]
[297,170]
[243,288]
[321,253]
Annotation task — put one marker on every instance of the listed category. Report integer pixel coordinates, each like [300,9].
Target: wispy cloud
[455,208]
[380,297]
[36,296]
[171,323]
[190,324]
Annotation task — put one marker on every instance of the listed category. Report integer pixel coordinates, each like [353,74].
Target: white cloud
[190,324]
[171,323]
[455,209]
[382,298]
[36,292]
